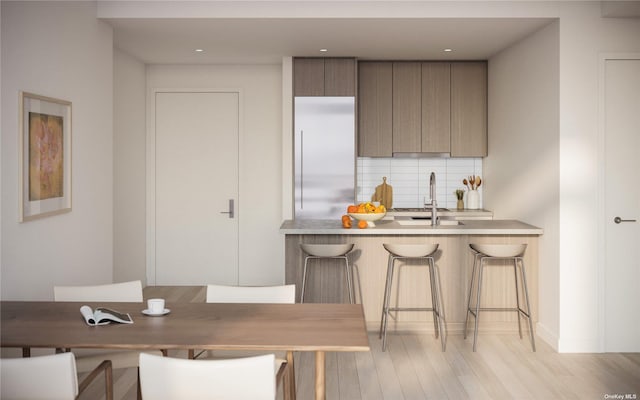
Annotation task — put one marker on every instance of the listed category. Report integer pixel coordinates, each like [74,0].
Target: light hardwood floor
[414,367]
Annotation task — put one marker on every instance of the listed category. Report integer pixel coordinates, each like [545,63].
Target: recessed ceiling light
[448,50]
[324,50]
[199,50]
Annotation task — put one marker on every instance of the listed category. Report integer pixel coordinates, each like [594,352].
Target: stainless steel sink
[426,221]
[416,209]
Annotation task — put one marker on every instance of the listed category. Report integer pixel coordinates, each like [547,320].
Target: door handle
[301,169]
[231,208]
[617,220]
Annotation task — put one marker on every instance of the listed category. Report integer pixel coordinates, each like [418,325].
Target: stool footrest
[473,311]
[409,309]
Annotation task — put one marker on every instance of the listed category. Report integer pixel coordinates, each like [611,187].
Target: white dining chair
[285,294]
[51,377]
[251,294]
[166,378]
[130,292]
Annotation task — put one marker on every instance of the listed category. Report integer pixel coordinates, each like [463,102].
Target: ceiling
[267,40]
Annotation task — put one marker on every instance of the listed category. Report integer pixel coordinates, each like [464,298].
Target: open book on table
[103,316]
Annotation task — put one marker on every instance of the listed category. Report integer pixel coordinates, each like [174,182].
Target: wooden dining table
[317,328]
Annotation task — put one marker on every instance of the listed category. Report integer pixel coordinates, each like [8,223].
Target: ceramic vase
[473,200]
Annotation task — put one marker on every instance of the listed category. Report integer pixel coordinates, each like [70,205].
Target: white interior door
[196,154]
[622,200]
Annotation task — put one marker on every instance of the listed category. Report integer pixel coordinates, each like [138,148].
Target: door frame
[601,211]
[151,169]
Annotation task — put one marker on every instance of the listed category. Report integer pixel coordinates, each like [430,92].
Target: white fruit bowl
[369,217]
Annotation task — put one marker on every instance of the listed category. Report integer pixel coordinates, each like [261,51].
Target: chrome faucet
[433,204]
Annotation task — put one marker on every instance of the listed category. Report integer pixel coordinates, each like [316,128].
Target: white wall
[129,147]
[59,49]
[584,37]
[522,169]
[261,245]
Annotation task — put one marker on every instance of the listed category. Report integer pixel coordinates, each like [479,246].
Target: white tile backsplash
[409,178]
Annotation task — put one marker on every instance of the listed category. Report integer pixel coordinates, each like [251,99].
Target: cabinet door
[436,107]
[375,106]
[308,77]
[339,77]
[407,107]
[469,109]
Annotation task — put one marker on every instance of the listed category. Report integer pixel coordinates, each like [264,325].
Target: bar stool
[417,252]
[482,253]
[327,251]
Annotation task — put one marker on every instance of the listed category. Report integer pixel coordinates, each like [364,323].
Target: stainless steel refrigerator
[324,143]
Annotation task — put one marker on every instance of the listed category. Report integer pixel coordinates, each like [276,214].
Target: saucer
[149,313]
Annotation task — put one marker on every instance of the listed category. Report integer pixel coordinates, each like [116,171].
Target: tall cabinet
[469,109]
[375,81]
[407,110]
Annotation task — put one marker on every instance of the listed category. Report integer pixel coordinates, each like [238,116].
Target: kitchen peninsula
[454,261]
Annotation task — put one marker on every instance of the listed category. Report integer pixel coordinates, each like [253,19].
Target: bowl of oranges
[366,213]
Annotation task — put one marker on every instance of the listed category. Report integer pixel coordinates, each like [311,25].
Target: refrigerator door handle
[301,169]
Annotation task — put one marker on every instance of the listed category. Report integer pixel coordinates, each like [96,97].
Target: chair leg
[304,279]
[473,274]
[433,299]
[475,330]
[386,306]
[515,276]
[526,295]
[349,280]
[108,379]
[442,326]
[138,388]
[290,382]
[384,298]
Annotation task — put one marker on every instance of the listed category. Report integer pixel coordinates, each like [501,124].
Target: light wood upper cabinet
[375,109]
[308,77]
[428,107]
[436,109]
[407,109]
[469,109]
[324,77]
[339,77]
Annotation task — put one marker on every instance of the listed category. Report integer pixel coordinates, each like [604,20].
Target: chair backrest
[115,292]
[51,377]
[166,378]
[251,294]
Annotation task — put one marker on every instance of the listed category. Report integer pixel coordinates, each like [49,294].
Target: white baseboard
[547,336]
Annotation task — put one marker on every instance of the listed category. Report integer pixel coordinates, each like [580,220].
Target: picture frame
[45,156]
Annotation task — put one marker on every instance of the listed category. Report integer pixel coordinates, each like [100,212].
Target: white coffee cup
[155,306]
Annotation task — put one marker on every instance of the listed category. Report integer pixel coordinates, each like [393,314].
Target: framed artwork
[45,156]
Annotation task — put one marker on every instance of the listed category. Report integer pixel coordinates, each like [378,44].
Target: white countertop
[392,227]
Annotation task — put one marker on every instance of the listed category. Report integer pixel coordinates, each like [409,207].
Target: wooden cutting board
[384,194]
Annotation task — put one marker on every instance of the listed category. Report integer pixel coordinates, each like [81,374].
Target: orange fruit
[346,221]
[362,224]
[352,209]
[361,209]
